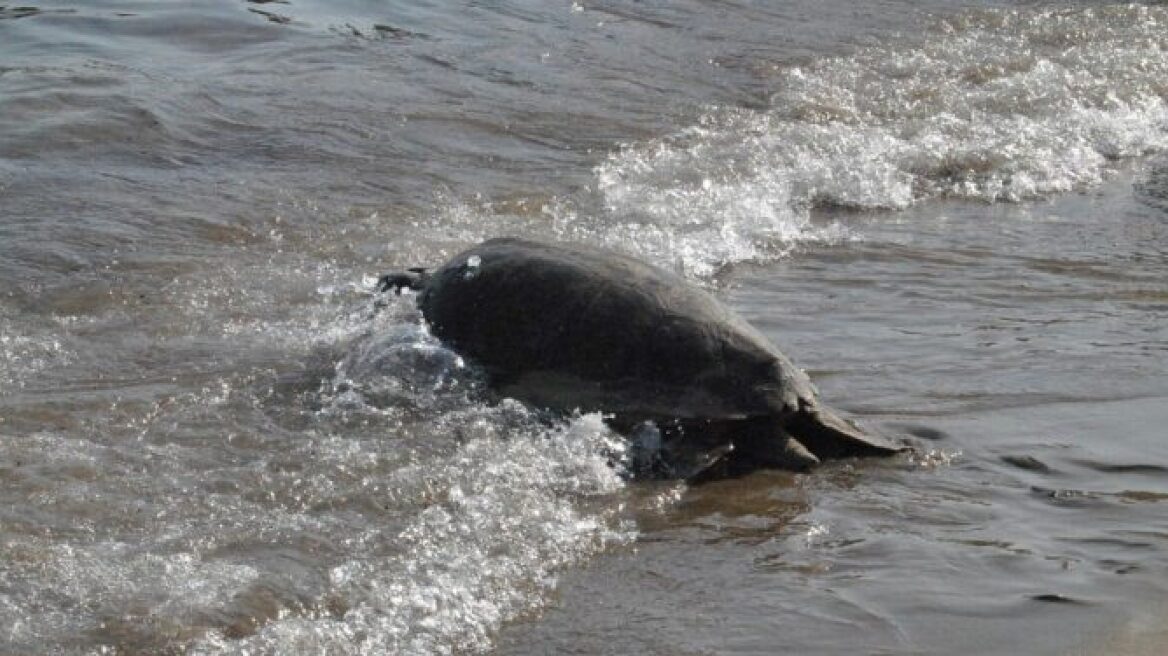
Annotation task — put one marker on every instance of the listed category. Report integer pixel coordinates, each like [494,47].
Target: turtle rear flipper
[413,278]
[828,435]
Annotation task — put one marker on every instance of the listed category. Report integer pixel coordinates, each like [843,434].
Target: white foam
[431,552]
[24,355]
[991,106]
[502,519]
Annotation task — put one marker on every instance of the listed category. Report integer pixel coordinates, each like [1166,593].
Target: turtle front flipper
[677,449]
[765,446]
[748,456]
[828,435]
[758,444]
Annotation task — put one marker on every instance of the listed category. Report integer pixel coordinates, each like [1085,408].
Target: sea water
[216,439]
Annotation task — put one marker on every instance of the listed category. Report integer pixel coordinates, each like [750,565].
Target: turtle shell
[574,327]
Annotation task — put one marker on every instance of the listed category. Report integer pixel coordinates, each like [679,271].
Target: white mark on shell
[472,266]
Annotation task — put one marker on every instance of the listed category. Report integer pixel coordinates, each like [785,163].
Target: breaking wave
[989,106]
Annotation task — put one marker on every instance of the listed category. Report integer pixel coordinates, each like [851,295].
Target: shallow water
[214,439]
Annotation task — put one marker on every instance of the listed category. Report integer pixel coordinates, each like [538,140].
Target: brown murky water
[214,439]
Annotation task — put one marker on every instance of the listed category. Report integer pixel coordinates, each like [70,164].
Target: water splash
[502,518]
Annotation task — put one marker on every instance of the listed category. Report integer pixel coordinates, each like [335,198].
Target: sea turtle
[572,327]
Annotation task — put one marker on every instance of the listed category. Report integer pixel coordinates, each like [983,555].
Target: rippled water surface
[215,439]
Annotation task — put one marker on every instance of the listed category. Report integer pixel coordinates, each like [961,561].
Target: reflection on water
[215,439]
